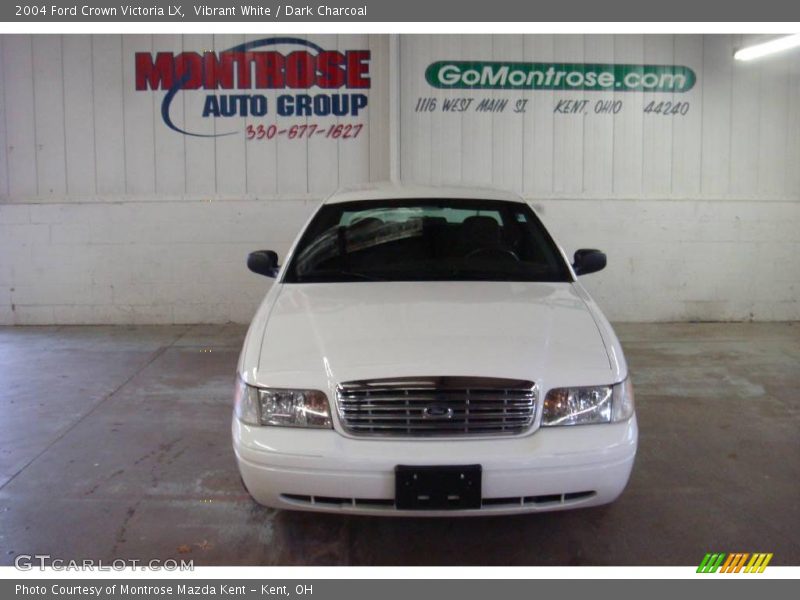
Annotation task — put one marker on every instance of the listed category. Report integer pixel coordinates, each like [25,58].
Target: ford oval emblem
[437,411]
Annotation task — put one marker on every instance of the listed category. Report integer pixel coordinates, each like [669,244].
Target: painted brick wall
[673,260]
[107,217]
[184,261]
[139,261]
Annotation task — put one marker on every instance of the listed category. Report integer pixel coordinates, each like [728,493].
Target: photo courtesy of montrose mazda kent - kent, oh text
[430,351]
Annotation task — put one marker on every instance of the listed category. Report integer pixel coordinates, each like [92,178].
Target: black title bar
[33,11]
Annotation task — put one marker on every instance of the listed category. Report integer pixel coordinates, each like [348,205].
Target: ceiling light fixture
[766,48]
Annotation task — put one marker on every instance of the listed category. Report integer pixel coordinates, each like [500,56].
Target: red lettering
[218,71]
[224,71]
[244,63]
[210,71]
[189,65]
[269,70]
[329,67]
[158,74]
[300,70]
[358,68]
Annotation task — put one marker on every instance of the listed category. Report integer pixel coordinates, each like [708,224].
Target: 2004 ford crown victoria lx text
[428,351]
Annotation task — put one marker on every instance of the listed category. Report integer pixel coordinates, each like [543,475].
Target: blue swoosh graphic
[178,85]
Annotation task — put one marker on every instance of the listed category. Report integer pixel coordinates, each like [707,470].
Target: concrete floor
[115,443]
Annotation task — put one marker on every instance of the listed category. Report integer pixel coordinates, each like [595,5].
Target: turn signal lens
[245,403]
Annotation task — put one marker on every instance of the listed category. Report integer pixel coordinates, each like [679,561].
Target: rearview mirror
[588,261]
[263,262]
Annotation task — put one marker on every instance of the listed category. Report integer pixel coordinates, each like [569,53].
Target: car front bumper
[321,470]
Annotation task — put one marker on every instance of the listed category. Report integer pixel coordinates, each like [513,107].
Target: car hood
[327,333]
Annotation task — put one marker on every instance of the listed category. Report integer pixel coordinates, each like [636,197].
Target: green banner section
[595,77]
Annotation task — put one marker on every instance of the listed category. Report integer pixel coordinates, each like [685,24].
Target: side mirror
[588,261]
[263,262]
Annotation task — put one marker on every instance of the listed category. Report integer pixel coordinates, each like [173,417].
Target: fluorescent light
[770,47]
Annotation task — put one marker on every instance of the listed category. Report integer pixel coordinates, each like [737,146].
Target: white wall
[698,214]
[106,215]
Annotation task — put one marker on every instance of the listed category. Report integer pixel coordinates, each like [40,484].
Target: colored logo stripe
[758,563]
[711,563]
[734,562]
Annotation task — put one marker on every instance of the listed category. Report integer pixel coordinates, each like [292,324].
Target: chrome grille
[438,406]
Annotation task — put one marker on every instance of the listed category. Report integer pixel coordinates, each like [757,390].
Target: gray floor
[115,444]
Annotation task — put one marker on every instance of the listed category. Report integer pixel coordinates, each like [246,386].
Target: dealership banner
[383,11]
[282,76]
[458,74]
[469,86]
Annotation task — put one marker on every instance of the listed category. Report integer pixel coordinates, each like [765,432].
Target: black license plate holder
[451,487]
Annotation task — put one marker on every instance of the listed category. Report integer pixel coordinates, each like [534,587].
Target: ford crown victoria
[430,351]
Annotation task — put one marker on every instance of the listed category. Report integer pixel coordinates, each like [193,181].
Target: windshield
[426,240]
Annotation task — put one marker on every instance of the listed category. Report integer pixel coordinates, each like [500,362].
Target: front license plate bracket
[451,487]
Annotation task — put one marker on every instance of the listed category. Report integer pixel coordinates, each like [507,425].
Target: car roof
[397,191]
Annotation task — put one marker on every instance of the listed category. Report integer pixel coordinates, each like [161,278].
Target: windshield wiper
[466,274]
[325,275]
[361,275]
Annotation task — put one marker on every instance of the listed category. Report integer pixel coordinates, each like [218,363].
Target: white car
[429,351]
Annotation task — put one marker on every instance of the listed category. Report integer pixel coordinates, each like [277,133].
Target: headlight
[281,407]
[588,405]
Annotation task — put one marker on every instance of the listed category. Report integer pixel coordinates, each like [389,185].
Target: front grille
[437,406]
